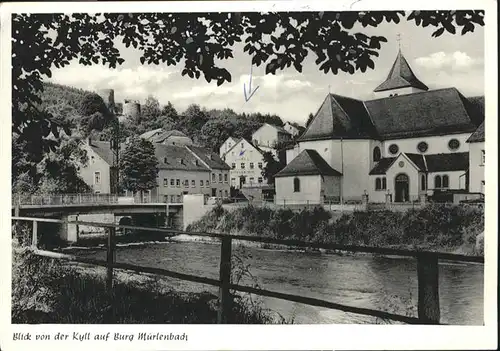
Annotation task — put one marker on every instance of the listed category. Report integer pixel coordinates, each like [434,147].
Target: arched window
[437,182]
[376,154]
[423,184]
[296,185]
[446,181]
[378,184]
[384,183]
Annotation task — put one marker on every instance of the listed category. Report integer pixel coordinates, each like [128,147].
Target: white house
[291,129]
[99,172]
[268,136]
[246,162]
[476,160]
[228,144]
[409,142]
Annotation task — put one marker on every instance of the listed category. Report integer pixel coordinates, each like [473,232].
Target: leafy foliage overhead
[199,42]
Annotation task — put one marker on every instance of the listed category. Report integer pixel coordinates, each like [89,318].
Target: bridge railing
[63,199]
[427,270]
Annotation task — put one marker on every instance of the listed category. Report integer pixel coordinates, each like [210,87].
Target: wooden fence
[427,270]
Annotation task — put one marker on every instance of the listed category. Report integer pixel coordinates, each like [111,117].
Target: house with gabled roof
[268,136]
[405,144]
[246,162]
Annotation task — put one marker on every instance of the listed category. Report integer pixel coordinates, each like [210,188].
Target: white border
[277,337]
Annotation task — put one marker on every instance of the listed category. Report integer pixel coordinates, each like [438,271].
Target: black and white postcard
[249,175]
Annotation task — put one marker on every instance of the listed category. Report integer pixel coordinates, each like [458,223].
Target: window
[220,177]
[207,183]
[97,178]
[422,146]
[482,157]
[378,184]
[296,185]
[178,183]
[242,145]
[182,161]
[233,181]
[172,182]
[225,178]
[186,183]
[482,186]
[446,181]
[213,177]
[165,160]
[259,180]
[242,165]
[232,153]
[393,149]
[225,193]
[193,183]
[423,183]
[251,165]
[92,160]
[172,198]
[228,145]
[201,183]
[178,198]
[376,154]
[259,165]
[453,144]
[165,182]
[233,165]
[384,183]
[437,182]
[251,180]
[196,162]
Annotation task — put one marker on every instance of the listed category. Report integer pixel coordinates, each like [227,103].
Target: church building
[408,143]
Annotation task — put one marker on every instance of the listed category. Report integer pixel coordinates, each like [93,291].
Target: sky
[447,61]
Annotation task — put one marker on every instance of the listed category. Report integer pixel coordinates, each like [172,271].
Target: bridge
[69,207]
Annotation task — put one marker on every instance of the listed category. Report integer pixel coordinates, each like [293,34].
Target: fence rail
[427,270]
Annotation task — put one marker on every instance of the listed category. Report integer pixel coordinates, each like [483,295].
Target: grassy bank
[50,291]
[450,228]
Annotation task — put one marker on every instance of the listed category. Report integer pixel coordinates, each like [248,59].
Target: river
[363,281]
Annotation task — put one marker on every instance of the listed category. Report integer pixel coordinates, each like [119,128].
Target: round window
[401,164]
[454,144]
[393,149]
[422,146]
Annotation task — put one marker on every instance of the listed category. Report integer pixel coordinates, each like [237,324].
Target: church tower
[400,81]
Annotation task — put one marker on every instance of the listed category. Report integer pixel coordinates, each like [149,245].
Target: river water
[363,281]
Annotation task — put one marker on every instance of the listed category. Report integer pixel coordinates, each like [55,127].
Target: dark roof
[150,133]
[340,117]
[167,134]
[210,158]
[103,149]
[418,160]
[308,162]
[174,155]
[478,135]
[382,166]
[401,76]
[458,161]
[434,112]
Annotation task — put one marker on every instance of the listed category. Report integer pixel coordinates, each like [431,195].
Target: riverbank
[444,228]
[50,291]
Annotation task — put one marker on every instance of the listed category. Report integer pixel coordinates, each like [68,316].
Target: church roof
[429,113]
[458,161]
[340,116]
[478,135]
[308,162]
[401,76]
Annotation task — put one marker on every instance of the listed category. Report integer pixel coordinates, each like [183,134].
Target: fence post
[34,236]
[225,303]
[428,288]
[110,255]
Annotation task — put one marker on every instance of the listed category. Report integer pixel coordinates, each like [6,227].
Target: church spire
[401,76]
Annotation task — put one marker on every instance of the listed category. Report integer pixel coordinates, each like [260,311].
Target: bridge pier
[69,232]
